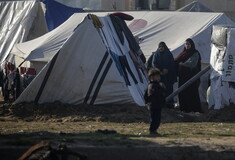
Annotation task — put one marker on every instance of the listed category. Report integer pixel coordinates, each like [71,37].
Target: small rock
[21,131]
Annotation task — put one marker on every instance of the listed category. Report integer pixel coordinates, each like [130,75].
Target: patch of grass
[22,133]
[197,130]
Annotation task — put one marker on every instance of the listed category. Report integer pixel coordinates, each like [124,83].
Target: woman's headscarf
[158,62]
[150,63]
[186,53]
[165,60]
[193,48]
[166,49]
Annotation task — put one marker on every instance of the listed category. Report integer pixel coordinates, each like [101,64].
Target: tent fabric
[57,13]
[151,27]
[195,6]
[19,21]
[42,49]
[84,70]
[174,28]
[222,90]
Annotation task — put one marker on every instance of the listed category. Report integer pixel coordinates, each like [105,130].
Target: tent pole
[189,82]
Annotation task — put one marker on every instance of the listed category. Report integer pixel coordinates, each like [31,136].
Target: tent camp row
[151,28]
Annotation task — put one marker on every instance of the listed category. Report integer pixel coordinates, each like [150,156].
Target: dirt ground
[58,112]
[210,134]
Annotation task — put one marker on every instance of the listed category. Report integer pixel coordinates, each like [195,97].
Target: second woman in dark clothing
[164,61]
[189,64]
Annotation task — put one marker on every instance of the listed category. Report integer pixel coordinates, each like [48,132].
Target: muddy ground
[118,131]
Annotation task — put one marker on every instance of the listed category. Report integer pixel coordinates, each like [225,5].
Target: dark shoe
[154,133]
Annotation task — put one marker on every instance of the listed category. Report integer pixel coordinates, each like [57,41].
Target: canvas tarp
[57,13]
[19,21]
[85,70]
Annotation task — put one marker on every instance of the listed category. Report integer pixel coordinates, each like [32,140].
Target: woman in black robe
[164,61]
[189,64]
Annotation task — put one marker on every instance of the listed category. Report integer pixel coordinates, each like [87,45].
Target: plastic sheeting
[19,21]
[222,90]
[228,74]
[57,13]
[223,61]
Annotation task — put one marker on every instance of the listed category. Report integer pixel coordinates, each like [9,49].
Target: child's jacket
[155,95]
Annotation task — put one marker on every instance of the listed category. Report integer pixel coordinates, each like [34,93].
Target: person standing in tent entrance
[155,98]
[164,61]
[189,64]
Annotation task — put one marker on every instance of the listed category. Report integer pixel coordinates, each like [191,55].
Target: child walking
[155,99]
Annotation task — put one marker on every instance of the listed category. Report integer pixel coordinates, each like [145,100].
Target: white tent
[174,28]
[151,27]
[194,6]
[19,21]
[88,69]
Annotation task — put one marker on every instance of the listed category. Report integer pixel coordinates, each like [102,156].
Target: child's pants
[155,119]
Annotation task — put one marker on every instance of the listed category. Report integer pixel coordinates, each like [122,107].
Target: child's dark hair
[153,72]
